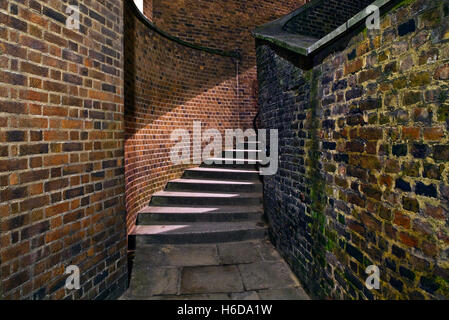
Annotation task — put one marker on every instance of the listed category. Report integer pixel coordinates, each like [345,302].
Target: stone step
[221,174]
[241,153]
[199,232]
[214,185]
[174,198]
[152,214]
[232,163]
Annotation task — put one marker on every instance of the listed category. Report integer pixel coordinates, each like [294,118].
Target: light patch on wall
[139,4]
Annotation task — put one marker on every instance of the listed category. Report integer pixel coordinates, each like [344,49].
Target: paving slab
[207,296]
[284,294]
[268,252]
[149,281]
[238,253]
[267,275]
[247,270]
[178,255]
[247,295]
[214,279]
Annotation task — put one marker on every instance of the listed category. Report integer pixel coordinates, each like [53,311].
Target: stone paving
[249,270]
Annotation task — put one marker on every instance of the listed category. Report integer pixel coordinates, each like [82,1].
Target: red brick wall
[168,87]
[225,25]
[61,151]
[148,9]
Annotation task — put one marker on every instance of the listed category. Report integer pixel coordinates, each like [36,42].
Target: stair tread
[200,209]
[197,228]
[223,170]
[242,150]
[230,195]
[226,182]
[233,159]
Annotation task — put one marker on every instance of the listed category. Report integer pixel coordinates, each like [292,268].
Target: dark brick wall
[363,158]
[325,17]
[168,87]
[61,151]
[225,25]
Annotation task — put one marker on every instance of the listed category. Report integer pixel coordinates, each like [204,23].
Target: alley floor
[248,270]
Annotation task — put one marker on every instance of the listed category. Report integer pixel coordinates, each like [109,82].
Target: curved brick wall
[61,150]
[225,25]
[168,87]
[364,158]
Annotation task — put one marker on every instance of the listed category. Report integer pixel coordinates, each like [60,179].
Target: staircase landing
[247,270]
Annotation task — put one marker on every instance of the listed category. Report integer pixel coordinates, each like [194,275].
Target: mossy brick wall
[168,87]
[374,116]
[61,151]
[225,25]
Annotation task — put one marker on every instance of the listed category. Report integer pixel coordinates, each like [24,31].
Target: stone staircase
[213,203]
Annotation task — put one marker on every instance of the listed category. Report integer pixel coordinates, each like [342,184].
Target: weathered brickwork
[168,87]
[61,150]
[363,175]
[225,25]
[325,17]
[148,9]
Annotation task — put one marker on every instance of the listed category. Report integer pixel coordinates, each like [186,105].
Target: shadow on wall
[168,86]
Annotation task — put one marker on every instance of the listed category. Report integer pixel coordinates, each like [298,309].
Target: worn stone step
[232,163]
[199,232]
[241,153]
[221,174]
[152,214]
[214,185]
[173,198]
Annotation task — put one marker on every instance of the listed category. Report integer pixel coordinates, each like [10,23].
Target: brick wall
[325,17]
[61,151]
[225,25]
[168,87]
[364,158]
[148,9]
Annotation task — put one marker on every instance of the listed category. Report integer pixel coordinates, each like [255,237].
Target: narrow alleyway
[204,237]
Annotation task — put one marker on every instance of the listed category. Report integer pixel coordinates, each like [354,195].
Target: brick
[411,133]
[410,204]
[34,175]
[12,107]
[34,203]
[370,221]
[407,27]
[33,69]
[433,134]
[33,149]
[402,220]
[408,239]
[426,190]
[56,185]
[442,73]
[13,78]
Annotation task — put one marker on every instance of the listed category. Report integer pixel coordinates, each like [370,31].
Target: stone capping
[150,25]
[302,44]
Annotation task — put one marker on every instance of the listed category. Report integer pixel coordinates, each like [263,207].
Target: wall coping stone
[306,45]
